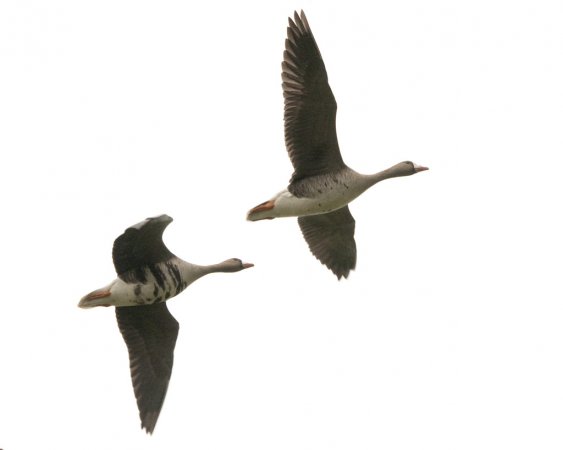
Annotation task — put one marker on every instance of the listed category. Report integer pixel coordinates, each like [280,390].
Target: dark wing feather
[150,333]
[310,107]
[330,238]
[139,246]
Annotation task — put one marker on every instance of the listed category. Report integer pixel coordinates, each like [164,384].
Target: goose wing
[330,238]
[150,334]
[310,107]
[140,247]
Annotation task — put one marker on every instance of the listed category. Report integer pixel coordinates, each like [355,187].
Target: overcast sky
[448,335]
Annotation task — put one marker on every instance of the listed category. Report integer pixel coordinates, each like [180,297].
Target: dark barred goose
[149,274]
[321,185]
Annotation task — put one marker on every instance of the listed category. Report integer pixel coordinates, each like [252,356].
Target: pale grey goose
[322,185]
[148,275]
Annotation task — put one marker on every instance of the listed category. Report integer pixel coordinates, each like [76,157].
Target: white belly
[131,294]
[287,205]
[315,195]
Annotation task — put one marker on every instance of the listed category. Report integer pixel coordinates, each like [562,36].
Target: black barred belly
[156,283]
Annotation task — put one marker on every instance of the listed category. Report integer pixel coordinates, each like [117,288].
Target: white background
[449,335]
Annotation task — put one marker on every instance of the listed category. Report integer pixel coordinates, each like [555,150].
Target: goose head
[233,265]
[406,168]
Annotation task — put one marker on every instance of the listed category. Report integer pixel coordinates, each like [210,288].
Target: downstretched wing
[140,246]
[150,333]
[330,238]
[310,107]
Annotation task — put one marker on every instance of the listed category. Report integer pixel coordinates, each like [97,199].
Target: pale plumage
[321,185]
[148,275]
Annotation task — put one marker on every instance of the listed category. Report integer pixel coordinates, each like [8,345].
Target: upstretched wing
[310,107]
[150,333]
[140,246]
[330,238]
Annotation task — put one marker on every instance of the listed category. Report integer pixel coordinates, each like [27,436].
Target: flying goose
[149,275]
[322,185]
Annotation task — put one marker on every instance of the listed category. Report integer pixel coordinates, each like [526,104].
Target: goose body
[315,195]
[149,275]
[322,185]
[150,284]
[324,193]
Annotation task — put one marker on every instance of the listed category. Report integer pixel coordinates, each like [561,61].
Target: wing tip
[299,23]
[148,421]
[340,271]
[163,218]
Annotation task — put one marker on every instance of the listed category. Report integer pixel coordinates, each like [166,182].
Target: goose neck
[380,176]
